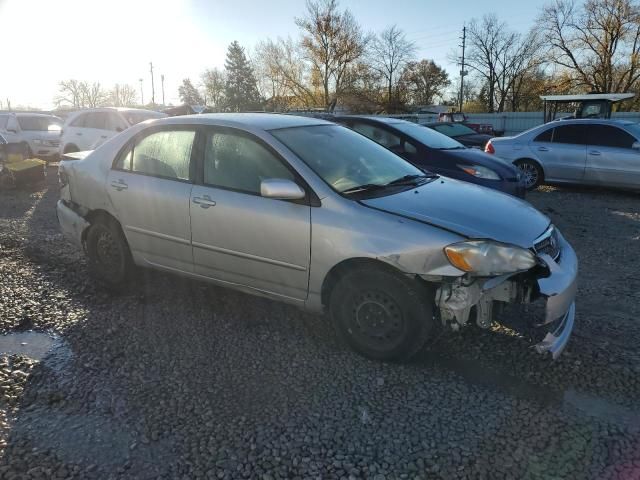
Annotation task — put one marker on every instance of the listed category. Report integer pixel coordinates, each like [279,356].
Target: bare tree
[93,94]
[214,81]
[332,41]
[424,81]
[122,95]
[70,92]
[389,52]
[598,42]
[286,79]
[498,56]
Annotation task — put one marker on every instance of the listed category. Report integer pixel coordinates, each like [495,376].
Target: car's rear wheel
[531,172]
[109,257]
[381,314]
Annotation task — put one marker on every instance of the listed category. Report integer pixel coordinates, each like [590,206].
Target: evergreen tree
[241,90]
[189,95]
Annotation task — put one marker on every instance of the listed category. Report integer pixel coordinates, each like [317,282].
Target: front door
[240,237]
[150,186]
[562,152]
[611,158]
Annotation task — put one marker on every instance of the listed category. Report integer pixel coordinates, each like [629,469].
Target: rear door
[611,158]
[239,236]
[150,185]
[562,151]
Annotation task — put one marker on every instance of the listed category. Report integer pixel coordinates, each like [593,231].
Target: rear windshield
[453,129]
[41,124]
[428,137]
[137,117]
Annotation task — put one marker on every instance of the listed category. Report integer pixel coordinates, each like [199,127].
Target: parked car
[3,148]
[592,152]
[311,213]
[461,118]
[461,133]
[87,129]
[433,151]
[31,134]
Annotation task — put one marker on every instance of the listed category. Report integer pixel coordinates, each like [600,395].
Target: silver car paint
[296,244]
[588,164]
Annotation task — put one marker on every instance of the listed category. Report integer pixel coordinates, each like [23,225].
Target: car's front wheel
[109,257]
[381,314]
[531,173]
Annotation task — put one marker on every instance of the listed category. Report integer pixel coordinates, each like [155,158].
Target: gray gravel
[183,380]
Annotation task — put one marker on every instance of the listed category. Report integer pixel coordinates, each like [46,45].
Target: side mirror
[119,129]
[281,189]
[636,146]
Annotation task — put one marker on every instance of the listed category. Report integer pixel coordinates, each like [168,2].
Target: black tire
[380,314]
[110,261]
[531,171]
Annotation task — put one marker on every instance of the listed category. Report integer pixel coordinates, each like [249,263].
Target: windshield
[42,124]
[453,129]
[137,117]
[343,158]
[428,137]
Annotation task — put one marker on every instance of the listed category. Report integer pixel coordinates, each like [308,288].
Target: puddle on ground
[35,345]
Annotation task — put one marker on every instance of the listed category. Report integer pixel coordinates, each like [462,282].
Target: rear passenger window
[96,120]
[608,136]
[544,136]
[164,154]
[571,134]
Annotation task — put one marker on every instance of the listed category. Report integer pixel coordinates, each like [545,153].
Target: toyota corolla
[314,214]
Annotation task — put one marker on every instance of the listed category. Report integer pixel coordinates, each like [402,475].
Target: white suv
[88,129]
[32,134]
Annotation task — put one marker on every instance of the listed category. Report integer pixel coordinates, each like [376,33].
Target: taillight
[488,148]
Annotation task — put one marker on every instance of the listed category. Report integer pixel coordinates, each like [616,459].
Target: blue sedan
[433,151]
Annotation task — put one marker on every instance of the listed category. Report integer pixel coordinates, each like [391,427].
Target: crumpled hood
[469,210]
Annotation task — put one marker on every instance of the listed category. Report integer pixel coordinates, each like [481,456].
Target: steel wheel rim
[376,320]
[530,173]
[107,253]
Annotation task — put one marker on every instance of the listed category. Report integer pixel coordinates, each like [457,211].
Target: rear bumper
[71,223]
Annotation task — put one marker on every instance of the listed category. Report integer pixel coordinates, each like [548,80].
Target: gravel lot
[183,380]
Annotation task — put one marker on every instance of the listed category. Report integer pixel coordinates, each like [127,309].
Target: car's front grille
[548,243]
[52,143]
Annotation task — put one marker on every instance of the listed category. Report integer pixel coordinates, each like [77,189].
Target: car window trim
[131,144]
[310,199]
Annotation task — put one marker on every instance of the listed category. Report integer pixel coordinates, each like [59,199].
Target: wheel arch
[99,215]
[340,269]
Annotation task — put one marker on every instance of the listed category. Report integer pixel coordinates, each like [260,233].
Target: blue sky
[112,42]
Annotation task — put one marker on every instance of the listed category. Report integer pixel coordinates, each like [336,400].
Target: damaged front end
[553,281]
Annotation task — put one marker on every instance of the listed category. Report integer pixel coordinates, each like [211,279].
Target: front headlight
[479,171]
[485,258]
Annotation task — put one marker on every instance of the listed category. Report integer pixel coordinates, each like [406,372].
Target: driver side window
[237,162]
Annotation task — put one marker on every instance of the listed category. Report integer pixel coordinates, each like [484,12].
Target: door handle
[204,201]
[103,136]
[79,133]
[119,185]
[543,149]
[594,152]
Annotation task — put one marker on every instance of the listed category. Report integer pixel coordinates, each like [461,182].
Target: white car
[88,129]
[32,134]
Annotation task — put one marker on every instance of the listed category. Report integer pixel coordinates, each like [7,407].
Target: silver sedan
[316,215]
[591,152]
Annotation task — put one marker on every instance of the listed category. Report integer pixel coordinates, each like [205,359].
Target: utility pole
[463,72]
[162,82]
[153,90]
[141,94]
